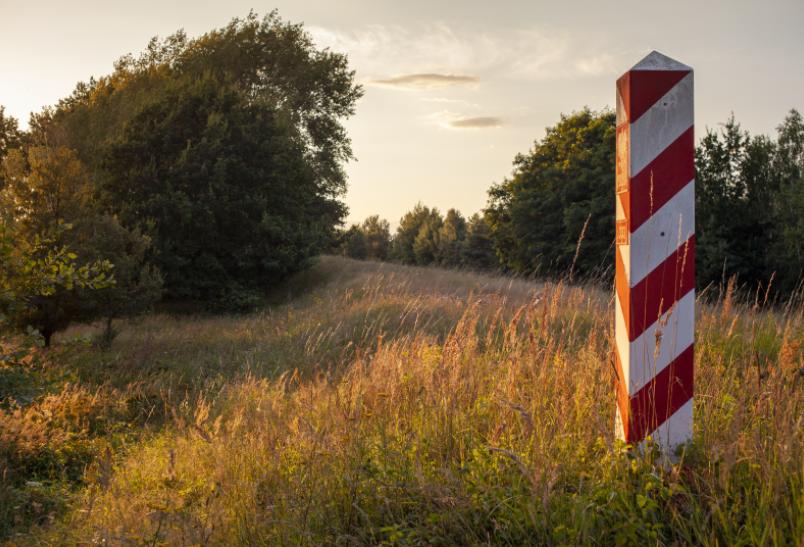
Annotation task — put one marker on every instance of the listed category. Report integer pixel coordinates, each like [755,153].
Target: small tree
[787,251]
[41,283]
[353,243]
[10,137]
[426,244]
[734,194]
[478,248]
[47,205]
[410,229]
[451,237]
[377,233]
[138,284]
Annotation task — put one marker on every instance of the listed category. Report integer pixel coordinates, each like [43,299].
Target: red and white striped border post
[655,252]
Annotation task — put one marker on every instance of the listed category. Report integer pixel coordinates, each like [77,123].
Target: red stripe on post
[660,289]
[652,405]
[651,85]
[663,178]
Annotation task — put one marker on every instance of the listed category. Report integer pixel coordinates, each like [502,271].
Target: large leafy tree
[561,192]
[228,149]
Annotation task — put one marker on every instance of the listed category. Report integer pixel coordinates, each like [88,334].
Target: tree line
[424,237]
[554,215]
[203,170]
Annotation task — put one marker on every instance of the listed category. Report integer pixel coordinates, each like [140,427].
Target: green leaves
[537,217]
[37,271]
[749,197]
[230,145]
[747,188]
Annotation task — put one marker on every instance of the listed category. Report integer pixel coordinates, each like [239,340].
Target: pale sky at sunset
[453,89]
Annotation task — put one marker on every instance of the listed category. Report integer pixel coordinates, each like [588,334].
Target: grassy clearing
[374,403]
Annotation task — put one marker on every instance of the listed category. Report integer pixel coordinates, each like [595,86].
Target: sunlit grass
[375,403]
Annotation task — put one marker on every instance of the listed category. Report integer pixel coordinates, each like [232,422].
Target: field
[374,403]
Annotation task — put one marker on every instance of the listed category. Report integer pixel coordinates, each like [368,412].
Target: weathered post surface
[655,256]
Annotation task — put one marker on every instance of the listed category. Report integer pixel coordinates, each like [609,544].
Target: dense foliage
[424,237]
[370,240]
[555,214]
[750,205]
[46,205]
[561,193]
[42,285]
[227,149]
[210,167]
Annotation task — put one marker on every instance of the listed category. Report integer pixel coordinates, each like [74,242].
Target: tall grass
[381,404]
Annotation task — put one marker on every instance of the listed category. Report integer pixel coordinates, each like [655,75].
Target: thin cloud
[480,122]
[447,119]
[426,80]
[434,55]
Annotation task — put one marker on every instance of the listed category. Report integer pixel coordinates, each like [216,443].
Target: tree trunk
[47,334]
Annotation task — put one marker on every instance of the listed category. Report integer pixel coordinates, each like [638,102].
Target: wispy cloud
[452,120]
[426,80]
[480,122]
[431,55]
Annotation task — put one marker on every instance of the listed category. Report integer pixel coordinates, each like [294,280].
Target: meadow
[372,403]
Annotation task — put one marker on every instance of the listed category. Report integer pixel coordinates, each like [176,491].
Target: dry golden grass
[386,404]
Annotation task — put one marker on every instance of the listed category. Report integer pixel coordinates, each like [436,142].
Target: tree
[353,243]
[138,284]
[786,253]
[377,233]
[44,189]
[477,251]
[735,188]
[426,243]
[230,145]
[410,227]
[749,198]
[42,282]
[560,192]
[10,137]
[46,205]
[451,237]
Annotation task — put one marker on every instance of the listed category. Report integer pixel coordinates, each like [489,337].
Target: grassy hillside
[374,403]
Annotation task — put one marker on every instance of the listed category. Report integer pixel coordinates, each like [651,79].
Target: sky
[454,89]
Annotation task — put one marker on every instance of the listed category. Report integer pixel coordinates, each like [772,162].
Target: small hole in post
[661,234]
